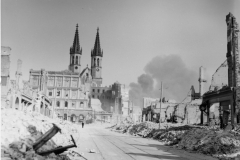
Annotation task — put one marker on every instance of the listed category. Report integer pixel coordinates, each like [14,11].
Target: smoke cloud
[171,70]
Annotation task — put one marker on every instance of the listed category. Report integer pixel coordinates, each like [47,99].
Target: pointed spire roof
[75,49]
[97,48]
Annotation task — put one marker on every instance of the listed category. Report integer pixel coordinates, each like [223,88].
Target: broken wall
[187,113]
[5,67]
[220,77]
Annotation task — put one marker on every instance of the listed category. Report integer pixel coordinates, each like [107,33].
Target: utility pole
[132,115]
[160,104]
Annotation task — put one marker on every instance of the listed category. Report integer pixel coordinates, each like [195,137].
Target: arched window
[81,104]
[58,104]
[66,104]
[72,59]
[17,103]
[94,61]
[98,62]
[76,59]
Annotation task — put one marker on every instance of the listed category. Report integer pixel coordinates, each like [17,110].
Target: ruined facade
[14,96]
[111,97]
[186,112]
[220,77]
[224,92]
[5,70]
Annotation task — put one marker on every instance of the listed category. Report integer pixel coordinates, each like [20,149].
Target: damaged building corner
[225,89]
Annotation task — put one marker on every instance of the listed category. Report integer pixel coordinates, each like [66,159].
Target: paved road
[110,145]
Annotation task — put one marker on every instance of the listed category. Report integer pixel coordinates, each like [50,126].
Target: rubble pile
[171,135]
[168,133]
[211,142]
[122,128]
[204,139]
[127,120]
[138,129]
[142,129]
[20,130]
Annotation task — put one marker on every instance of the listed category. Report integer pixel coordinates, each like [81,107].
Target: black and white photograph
[120,79]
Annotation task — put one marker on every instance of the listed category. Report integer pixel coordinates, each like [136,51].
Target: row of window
[103,97]
[98,91]
[103,91]
[60,82]
[56,81]
[72,104]
[73,118]
[73,94]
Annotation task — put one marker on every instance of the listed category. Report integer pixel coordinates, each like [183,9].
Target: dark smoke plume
[177,80]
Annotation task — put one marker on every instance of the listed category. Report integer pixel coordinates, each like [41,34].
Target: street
[109,145]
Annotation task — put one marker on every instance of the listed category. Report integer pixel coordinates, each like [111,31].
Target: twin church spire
[75,49]
[97,48]
[96,58]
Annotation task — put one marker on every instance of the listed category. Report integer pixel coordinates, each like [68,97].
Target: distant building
[185,112]
[5,67]
[125,100]
[109,97]
[113,98]
[136,114]
[69,89]
[148,101]
[125,108]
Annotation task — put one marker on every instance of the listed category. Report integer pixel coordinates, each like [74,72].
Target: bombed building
[5,74]
[222,101]
[186,111]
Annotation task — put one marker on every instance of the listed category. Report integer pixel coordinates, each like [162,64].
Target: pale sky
[132,33]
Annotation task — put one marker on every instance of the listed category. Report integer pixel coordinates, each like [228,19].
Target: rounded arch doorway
[73,118]
[81,118]
[17,103]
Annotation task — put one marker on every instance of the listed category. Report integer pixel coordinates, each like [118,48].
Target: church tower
[75,54]
[96,61]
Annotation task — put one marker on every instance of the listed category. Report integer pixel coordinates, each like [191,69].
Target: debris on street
[21,132]
[92,151]
[210,140]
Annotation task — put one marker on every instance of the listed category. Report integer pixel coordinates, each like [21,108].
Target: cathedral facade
[69,90]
